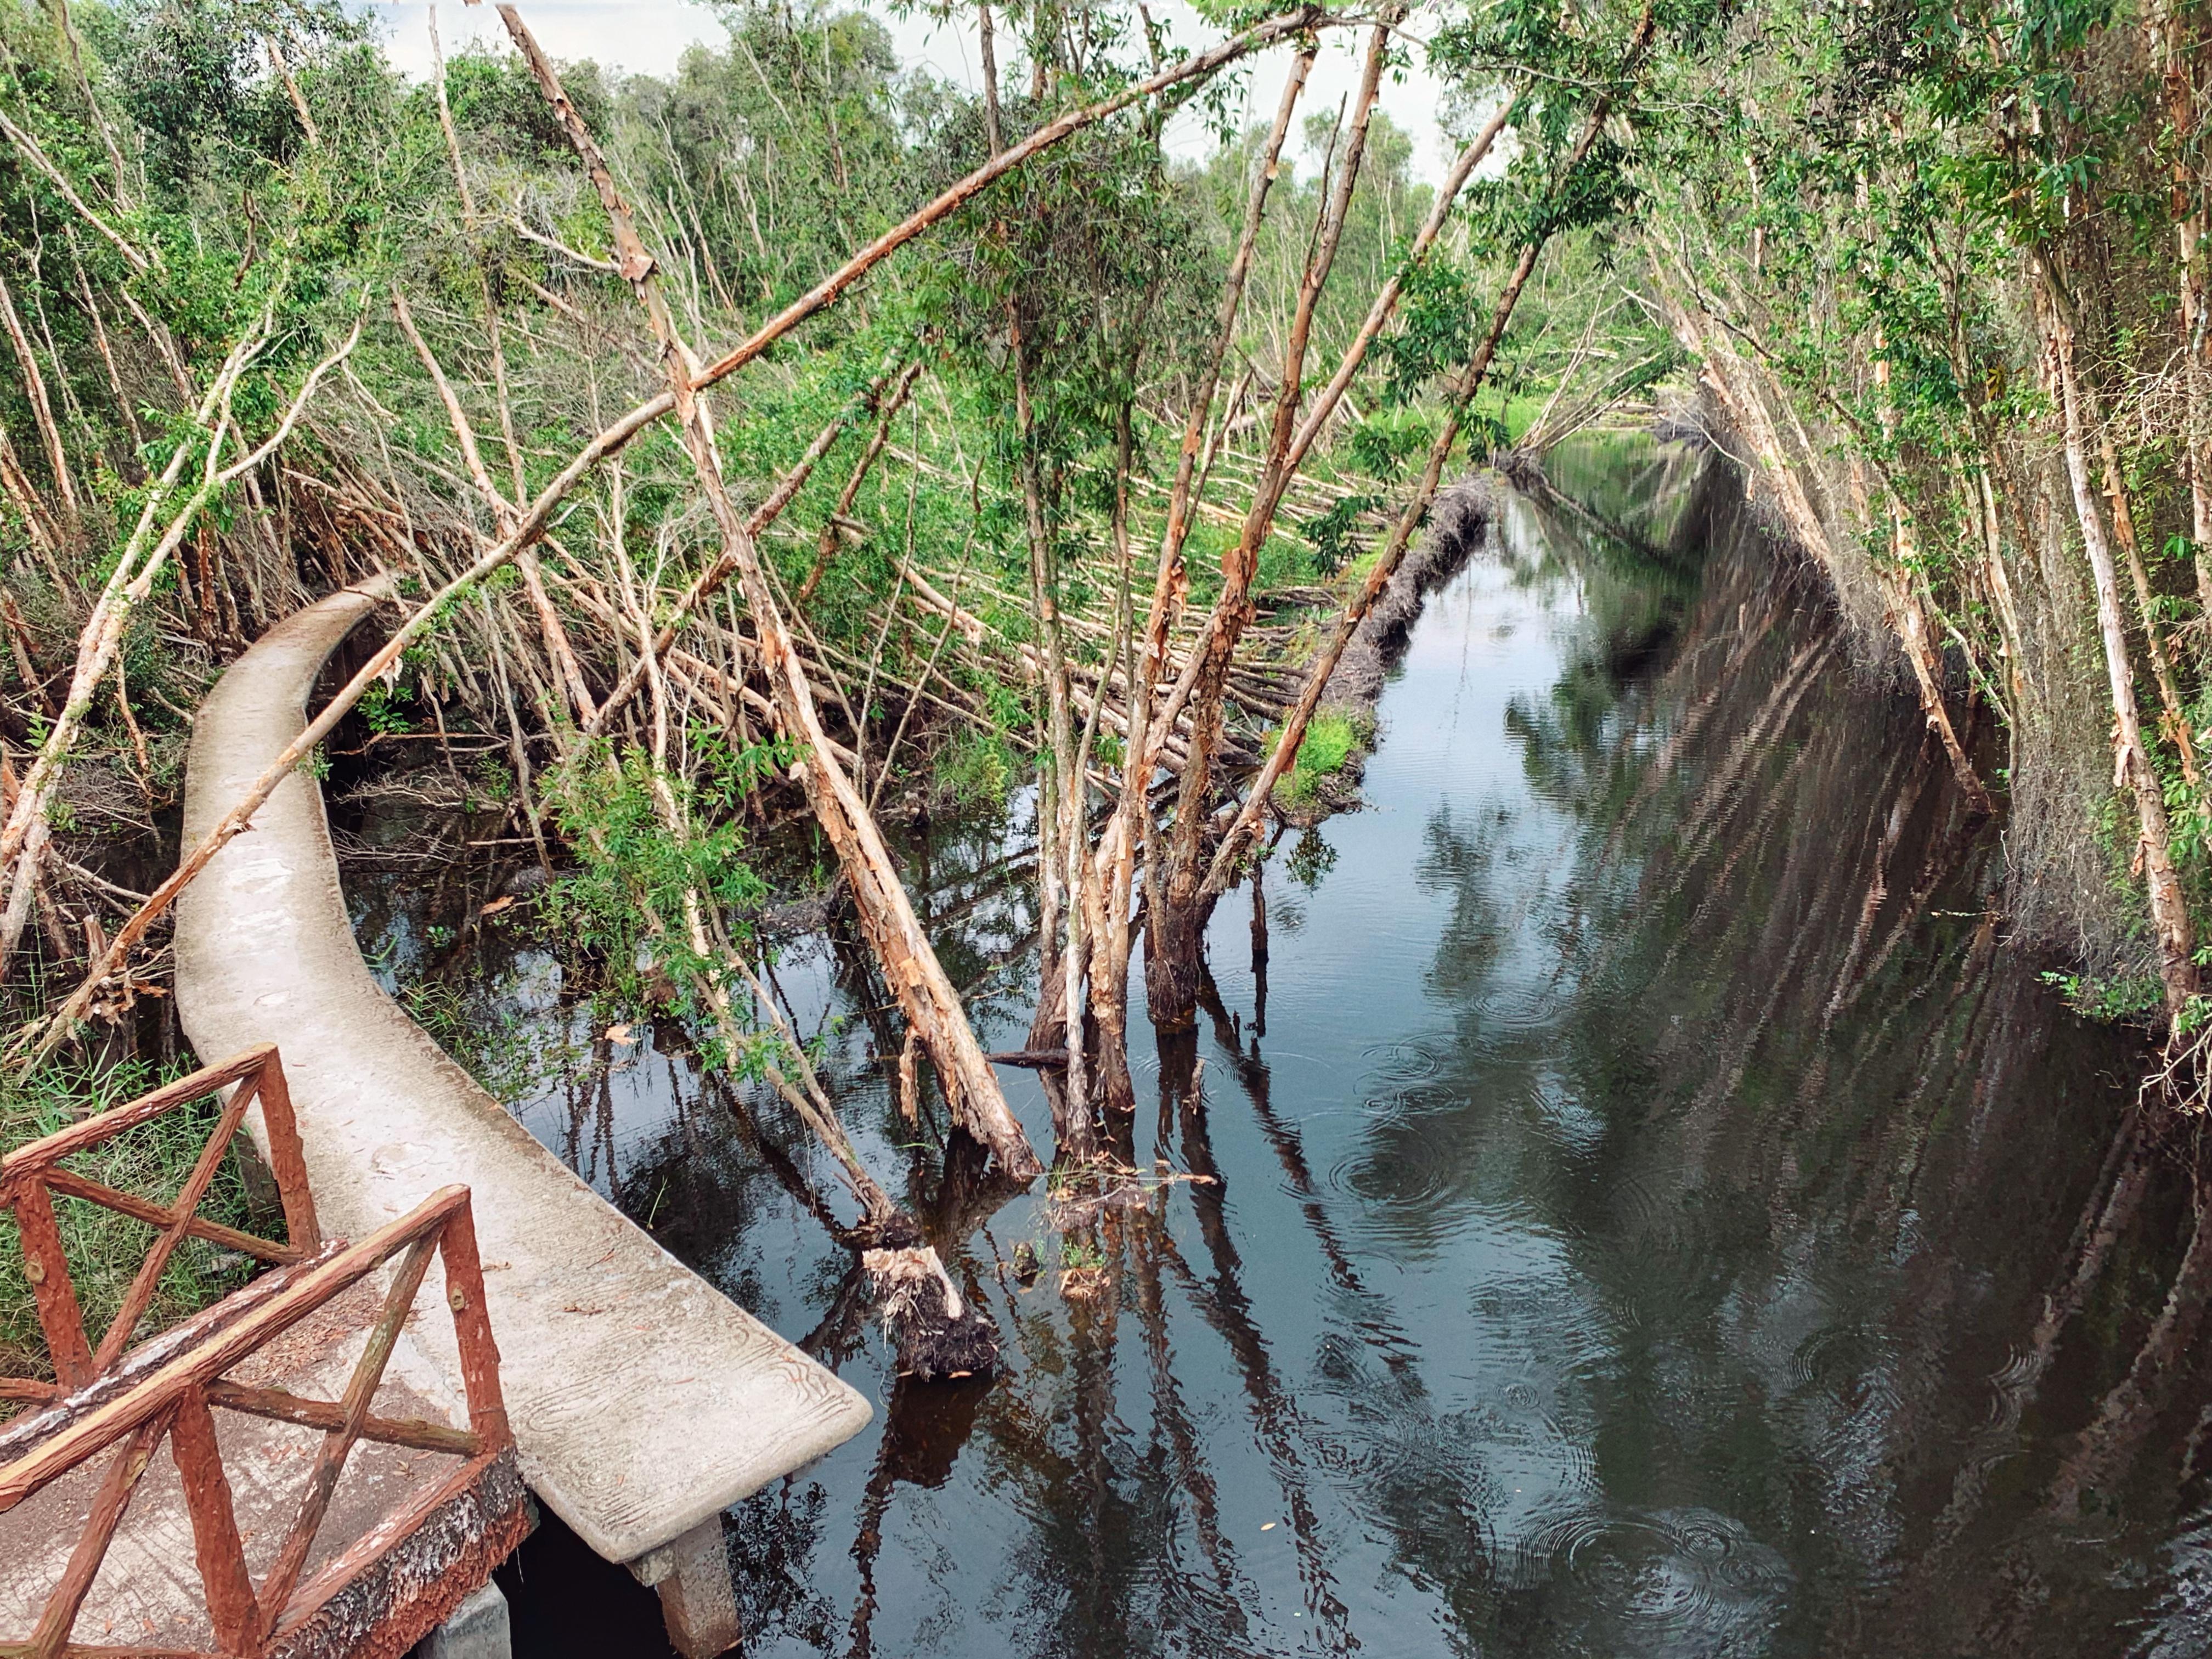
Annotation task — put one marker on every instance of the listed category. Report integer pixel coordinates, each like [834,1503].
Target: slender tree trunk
[2169,910]
[1129,835]
[2174,716]
[1108,904]
[42,413]
[2166,38]
[984,30]
[1245,826]
[143,558]
[1198,875]
[1061,790]
[711,580]
[1174,929]
[507,510]
[910,965]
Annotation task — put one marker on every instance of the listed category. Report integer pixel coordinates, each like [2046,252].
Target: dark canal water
[1648,1209]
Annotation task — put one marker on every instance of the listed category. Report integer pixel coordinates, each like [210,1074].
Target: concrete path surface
[643,1399]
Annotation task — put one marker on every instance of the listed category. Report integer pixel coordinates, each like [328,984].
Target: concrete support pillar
[698,1598]
[476,1629]
[699,1604]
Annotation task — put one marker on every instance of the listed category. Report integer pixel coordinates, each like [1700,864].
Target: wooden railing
[166,1390]
[31,1176]
[126,1404]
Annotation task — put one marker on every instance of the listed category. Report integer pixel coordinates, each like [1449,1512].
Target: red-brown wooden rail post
[124,1470]
[464,1295]
[286,1160]
[227,1584]
[283,1577]
[47,1266]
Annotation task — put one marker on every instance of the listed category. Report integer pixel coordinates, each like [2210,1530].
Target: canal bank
[1633,1200]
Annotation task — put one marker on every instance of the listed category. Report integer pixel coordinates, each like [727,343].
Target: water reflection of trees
[1869,1328]
[1859,1316]
[1897,1287]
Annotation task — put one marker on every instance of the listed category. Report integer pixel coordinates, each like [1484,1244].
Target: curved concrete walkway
[643,1400]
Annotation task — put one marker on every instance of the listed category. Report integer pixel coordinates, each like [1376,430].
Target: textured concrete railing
[643,1400]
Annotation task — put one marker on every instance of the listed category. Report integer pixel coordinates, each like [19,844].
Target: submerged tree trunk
[1061,851]
[924,994]
[2166,31]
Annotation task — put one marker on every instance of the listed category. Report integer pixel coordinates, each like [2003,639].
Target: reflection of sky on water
[1621,1220]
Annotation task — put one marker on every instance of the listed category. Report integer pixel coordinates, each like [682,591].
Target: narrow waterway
[1631,1201]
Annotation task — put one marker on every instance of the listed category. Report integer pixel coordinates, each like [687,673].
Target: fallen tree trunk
[926,995]
[530,525]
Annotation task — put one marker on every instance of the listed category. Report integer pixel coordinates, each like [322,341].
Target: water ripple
[1682,1581]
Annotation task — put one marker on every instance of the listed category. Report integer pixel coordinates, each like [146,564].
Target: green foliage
[1382,444]
[1287,561]
[791,140]
[2134,997]
[380,711]
[1331,532]
[498,107]
[193,79]
[977,767]
[1332,736]
[1441,316]
[625,902]
[501,1047]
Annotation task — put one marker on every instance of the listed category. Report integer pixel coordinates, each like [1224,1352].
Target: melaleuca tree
[784,148]
[1971,236]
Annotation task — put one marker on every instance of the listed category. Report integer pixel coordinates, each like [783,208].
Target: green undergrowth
[977,767]
[104,1248]
[1332,738]
[504,1049]
[2116,1000]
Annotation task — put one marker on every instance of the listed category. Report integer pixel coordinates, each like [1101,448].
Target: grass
[977,767]
[105,1249]
[500,1048]
[1332,738]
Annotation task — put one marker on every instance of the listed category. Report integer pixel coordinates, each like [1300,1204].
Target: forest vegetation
[800,439]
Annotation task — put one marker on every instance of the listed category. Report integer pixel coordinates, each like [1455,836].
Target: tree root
[936,1332]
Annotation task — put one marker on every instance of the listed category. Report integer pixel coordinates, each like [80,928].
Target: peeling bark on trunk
[1174,927]
[2169,910]
[1128,837]
[910,966]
